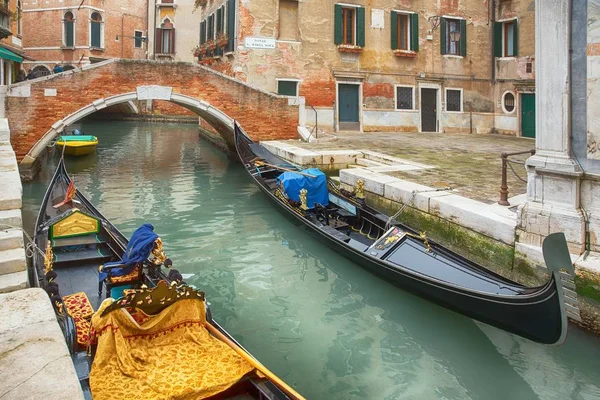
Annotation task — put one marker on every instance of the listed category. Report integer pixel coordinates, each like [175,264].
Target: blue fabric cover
[139,248]
[293,182]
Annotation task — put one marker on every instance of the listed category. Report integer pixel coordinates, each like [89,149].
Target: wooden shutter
[360,26]
[231,24]
[69,33]
[498,39]
[96,42]
[516,38]
[394,29]
[463,37]
[338,24]
[202,32]
[414,32]
[158,41]
[172,40]
[443,27]
[219,20]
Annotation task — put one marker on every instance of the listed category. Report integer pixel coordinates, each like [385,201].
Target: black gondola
[415,263]
[73,239]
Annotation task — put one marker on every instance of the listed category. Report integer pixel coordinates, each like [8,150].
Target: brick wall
[263,116]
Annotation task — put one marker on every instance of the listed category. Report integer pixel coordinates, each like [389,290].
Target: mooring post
[504,185]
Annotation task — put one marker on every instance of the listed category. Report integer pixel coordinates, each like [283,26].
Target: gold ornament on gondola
[48,258]
[359,190]
[303,194]
[158,252]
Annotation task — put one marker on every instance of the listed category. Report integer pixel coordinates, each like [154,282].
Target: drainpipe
[122,32]
[147,29]
[493,20]
[154,31]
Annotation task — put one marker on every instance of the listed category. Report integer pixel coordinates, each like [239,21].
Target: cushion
[78,305]
[83,327]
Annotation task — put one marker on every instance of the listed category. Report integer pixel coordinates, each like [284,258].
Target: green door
[348,100]
[528,115]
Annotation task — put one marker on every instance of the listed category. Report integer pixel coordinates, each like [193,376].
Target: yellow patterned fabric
[130,277]
[78,305]
[170,356]
[83,328]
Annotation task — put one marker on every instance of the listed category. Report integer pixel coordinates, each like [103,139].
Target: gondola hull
[535,313]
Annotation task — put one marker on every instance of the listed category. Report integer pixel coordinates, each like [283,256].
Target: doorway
[429,114]
[528,115]
[349,108]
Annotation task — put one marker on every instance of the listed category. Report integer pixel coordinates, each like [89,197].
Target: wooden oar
[259,162]
[255,363]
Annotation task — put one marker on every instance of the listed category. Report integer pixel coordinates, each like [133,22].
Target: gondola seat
[78,305]
[124,281]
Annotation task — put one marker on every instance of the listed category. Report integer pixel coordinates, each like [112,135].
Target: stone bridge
[38,110]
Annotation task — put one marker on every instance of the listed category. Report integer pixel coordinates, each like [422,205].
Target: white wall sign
[16,41]
[377,18]
[259,43]
[50,92]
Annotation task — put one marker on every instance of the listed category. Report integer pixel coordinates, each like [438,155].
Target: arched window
[165,38]
[96,31]
[69,30]
[19,25]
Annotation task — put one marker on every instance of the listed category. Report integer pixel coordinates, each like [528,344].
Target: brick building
[11,49]
[74,33]
[408,65]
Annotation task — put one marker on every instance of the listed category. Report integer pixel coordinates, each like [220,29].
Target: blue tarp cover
[293,182]
[138,249]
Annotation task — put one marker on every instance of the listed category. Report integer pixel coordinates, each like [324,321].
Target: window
[19,24]
[165,38]
[288,19]
[96,31]
[287,88]
[506,38]
[405,31]
[137,41]
[454,100]
[404,98]
[230,25]
[349,26]
[220,21]
[69,30]
[508,102]
[453,34]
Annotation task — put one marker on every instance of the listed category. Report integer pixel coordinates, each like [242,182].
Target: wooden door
[349,106]
[528,115]
[429,110]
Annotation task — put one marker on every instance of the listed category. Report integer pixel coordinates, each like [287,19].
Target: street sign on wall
[259,43]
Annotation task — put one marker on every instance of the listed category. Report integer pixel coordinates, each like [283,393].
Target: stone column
[553,190]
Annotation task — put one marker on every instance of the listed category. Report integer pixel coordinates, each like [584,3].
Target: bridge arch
[39,109]
[215,117]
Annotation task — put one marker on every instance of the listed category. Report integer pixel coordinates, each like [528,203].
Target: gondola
[411,260]
[104,296]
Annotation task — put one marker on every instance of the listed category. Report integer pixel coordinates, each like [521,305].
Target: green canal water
[322,323]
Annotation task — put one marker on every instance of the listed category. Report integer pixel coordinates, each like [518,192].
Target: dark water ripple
[322,323]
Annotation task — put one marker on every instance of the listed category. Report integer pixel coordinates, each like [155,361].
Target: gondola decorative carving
[48,258]
[303,194]
[158,252]
[359,190]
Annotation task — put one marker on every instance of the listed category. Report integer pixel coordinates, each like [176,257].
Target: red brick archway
[39,109]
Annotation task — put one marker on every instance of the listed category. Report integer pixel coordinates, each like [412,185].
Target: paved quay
[471,164]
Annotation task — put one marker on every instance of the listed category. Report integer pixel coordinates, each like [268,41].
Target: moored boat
[153,337]
[410,259]
[77,145]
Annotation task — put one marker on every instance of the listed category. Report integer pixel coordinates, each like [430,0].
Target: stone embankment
[34,359]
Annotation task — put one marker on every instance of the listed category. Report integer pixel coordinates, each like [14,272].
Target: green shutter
[231,24]
[516,39]
[394,27]
[337,35]
[202,32]
[463,37]
[360,26]
[414,32]
[497,39]
[287,88]
[219,21]
[69,33]
[96,42]
[443,47]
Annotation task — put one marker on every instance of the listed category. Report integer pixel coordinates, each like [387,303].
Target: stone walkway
[469,163]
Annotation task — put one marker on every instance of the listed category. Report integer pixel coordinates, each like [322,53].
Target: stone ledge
[15,281]
[11,218]
[11,239]
[35,360]
[12,260]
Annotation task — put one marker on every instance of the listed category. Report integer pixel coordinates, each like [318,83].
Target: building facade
[72,33]
[408,65]
[175,29]
[11,34]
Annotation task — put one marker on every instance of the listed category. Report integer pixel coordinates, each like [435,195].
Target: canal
[322,323]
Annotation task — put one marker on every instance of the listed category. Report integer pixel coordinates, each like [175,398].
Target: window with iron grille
[404,98]
[453,100]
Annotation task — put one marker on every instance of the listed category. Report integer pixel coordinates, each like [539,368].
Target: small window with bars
[404,98]
[454,100]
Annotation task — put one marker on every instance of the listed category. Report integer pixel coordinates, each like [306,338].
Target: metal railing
[506,163]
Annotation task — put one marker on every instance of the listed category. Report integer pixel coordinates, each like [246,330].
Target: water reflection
[325,325]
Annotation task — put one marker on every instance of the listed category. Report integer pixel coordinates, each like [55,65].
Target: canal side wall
[13,265]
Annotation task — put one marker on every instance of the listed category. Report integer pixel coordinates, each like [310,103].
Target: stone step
[14,281]
[389,160]
[10,218]
[12,260]
[12,190]
[11,239]
[365,162]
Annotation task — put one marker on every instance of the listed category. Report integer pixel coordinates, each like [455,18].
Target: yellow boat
[78,145]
